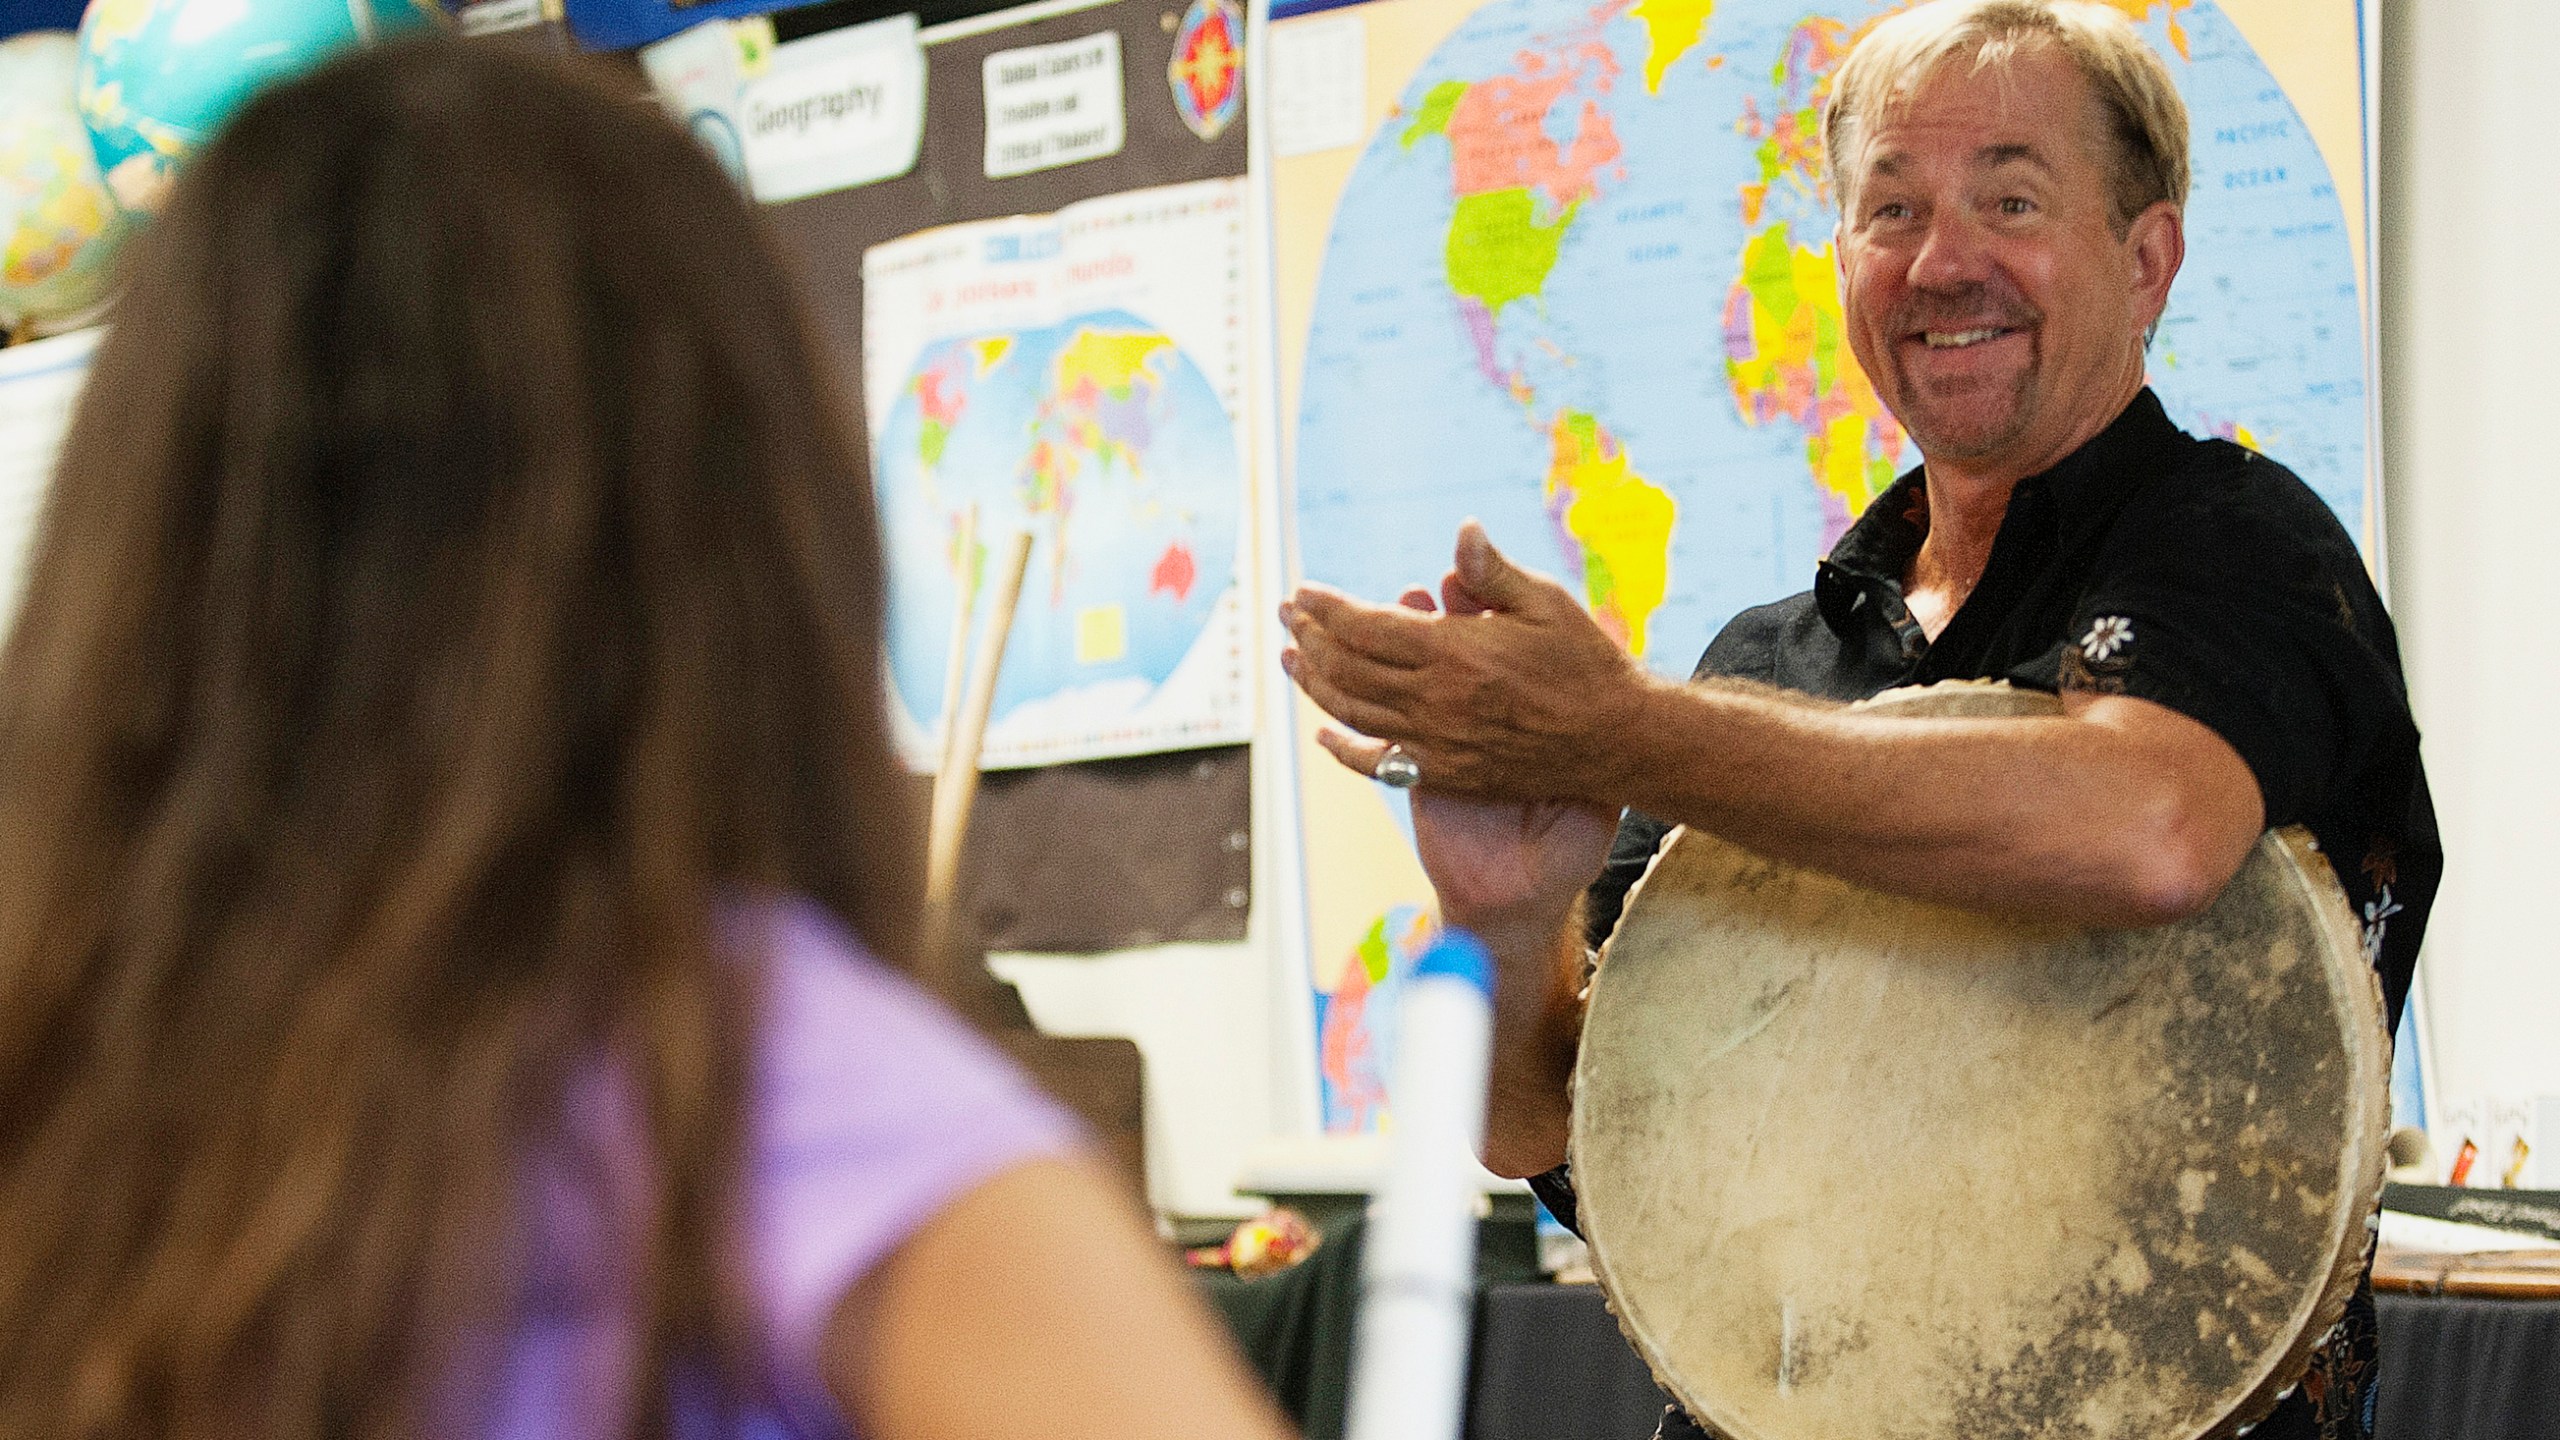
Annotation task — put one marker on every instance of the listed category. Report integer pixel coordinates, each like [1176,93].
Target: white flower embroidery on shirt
[2377,920]
[2107,635]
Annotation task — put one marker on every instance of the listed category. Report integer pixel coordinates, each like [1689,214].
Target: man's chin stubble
[1959,441]
[1948,438]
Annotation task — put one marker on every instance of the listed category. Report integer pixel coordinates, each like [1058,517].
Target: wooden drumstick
[955,788]
[964,606]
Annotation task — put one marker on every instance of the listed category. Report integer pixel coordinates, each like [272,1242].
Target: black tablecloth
[2456,1369]
[1551,1365]
[1296,1329]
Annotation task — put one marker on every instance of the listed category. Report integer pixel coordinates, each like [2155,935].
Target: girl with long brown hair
[448,981]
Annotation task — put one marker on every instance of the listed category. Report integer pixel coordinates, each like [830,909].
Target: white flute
[1417,1270]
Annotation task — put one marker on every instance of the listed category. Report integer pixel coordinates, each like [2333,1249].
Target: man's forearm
[2120,812]
[1536,1028]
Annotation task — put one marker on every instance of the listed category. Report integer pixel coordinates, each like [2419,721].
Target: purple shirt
[871,1109]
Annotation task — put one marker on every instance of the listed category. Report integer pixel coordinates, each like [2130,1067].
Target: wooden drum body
[1856,1167]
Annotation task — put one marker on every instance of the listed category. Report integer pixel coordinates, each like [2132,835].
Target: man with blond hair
[2011,177]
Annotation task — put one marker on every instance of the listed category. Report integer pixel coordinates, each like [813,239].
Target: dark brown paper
[1111,853]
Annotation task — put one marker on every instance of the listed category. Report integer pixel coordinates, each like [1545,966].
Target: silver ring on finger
[1398,769]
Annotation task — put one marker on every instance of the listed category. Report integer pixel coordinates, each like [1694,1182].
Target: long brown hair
[457,589]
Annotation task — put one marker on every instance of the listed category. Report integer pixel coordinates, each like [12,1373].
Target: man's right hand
[1509,870]
[1510,873]
[1517,694]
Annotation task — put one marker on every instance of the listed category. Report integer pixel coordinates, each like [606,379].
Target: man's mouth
[1959,339]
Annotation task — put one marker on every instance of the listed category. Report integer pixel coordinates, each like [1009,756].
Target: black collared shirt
[2192,573]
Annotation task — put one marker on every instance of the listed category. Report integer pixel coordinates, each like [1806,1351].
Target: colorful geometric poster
[1573,274]
[1207,69]
[1080,377]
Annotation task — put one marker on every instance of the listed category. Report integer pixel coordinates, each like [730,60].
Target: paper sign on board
[496,17]
[1084,376]
[1319,84]
[835,110]
[1053,105]
[700,76]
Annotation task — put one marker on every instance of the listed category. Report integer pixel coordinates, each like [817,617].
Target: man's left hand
[1513,692]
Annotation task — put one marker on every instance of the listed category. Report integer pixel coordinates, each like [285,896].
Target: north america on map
[1582,284]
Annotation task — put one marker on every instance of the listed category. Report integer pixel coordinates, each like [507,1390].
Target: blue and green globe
[158,77]
[58,229]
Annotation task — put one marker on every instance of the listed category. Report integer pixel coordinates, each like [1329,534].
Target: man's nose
[1952,253]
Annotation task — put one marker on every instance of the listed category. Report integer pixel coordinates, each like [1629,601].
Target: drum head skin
[1857,1167]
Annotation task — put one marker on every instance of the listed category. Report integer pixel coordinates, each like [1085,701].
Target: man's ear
[2158,238]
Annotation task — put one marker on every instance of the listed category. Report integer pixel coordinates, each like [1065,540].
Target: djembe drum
[1857,1167]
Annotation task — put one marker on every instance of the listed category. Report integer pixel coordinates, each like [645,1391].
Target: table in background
[1542,1370]
[1550,1364]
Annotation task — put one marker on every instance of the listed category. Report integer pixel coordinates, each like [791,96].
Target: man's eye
[1891,210]
[2017,205]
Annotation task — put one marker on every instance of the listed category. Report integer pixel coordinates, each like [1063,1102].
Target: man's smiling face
[1990,293]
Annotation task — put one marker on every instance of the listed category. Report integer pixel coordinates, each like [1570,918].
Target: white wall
[1227,1032]
[2470,192]
[1199,1014]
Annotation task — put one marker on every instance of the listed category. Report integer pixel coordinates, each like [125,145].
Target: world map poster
[1570,269]
[1079,377]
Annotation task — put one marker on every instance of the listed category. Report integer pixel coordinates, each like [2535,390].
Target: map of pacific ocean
[1580,284]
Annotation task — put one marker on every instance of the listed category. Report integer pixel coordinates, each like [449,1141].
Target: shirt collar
[2087,487]
[1875,551]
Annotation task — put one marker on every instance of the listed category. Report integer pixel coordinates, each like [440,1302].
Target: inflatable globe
[158,77]
[58,229]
